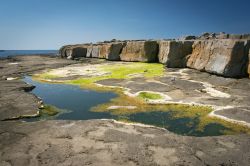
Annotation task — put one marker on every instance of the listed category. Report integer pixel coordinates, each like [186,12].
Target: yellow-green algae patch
[178,111]
[112,71]
[49,110]
[147,70]
[150,95]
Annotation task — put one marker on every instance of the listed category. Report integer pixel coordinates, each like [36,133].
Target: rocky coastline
[109,142]
[221,54]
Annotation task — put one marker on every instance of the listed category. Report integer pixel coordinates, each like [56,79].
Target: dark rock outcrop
[140,51]
[174,53]
[115,51]
[225,57]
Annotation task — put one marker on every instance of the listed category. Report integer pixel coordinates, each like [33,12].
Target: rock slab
[140,51]
[224,57]
[174,53]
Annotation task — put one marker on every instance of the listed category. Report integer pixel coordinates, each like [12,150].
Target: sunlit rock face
[174,53]
[226,57]
[217,53]
[140,51]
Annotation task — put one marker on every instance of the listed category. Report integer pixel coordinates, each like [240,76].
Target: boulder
[226,57]
[115,51]
[174,53]
[140,51]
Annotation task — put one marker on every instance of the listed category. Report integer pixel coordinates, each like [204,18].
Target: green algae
[49,110]
[115,71]
[199,115]
[150,96]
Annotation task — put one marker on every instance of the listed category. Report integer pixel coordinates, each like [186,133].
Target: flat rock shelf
[76,103]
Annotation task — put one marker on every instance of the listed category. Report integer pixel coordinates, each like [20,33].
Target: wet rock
[223,57]
[174,53]
[140,51]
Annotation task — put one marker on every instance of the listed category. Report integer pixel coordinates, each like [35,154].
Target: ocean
[6,53]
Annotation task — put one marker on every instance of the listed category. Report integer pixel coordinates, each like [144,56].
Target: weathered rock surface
[78,52]
[115,51]
[174,53]
[14,101]
[141,51]
[104,50]
[89,51]
[103,142]
[99,142]
[223,35]
[95,51]
[217,53]
[223,57]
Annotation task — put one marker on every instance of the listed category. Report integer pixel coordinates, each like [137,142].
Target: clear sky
[48,24]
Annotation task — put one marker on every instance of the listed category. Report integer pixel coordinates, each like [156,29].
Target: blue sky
[49,24]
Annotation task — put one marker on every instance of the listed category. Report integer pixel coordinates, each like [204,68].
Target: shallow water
[79,102]
[73,99]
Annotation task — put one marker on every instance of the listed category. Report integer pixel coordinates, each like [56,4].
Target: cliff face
[140,51]
[226,57]
[222,54]
[174,53]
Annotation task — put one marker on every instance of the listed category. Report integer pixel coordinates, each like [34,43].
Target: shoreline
[84,139]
